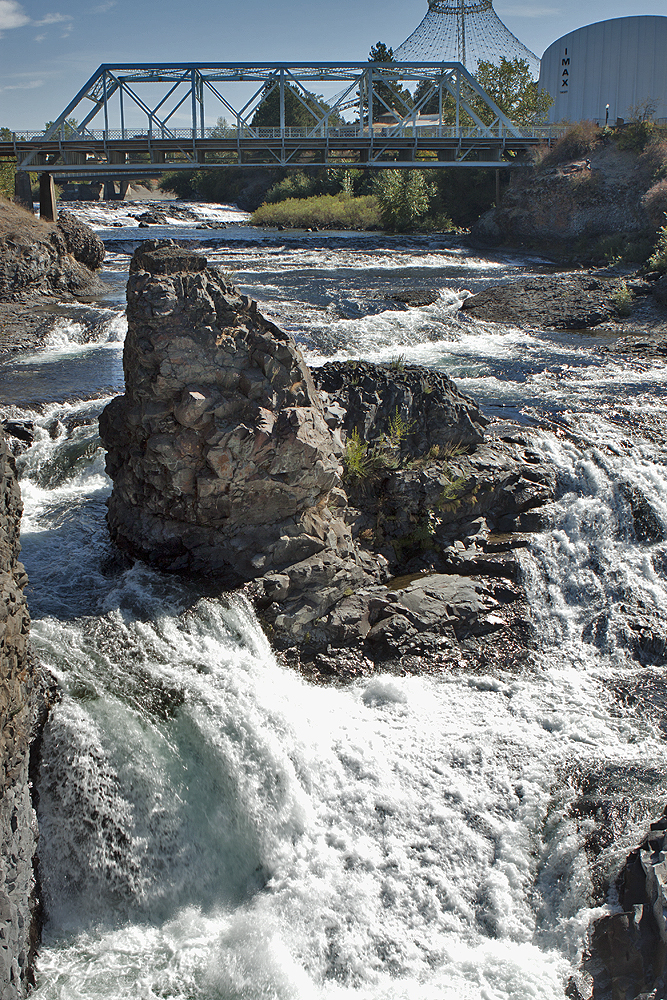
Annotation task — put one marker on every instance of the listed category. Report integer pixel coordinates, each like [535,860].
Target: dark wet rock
[628,949]
[558,301]
[416,298]
[81,241]
[647,525]
[412,407]
[221,457]
[152,218]
[22,430]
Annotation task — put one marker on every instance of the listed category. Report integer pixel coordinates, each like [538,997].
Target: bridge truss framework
[158,95]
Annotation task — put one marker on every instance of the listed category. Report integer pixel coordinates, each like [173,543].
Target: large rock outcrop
[229,458]
[39,259]
[18,831]
[219,451]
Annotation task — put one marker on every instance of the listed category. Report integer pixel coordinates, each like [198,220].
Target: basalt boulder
[81,241]
[221,458]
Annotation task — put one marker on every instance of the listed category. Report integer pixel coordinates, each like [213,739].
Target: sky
[49,48]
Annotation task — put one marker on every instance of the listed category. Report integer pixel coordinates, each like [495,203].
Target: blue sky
[49,48]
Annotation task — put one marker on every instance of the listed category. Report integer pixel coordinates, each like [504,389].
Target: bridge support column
[23,190]
[47,198]
[124,185]
[109,191]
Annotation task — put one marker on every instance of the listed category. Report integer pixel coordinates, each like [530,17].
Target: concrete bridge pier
[47,198]
[23,190]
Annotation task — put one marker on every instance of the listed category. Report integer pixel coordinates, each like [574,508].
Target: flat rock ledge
[315,491]
[570,301]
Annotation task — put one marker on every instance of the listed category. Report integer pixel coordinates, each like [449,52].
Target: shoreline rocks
[39,264]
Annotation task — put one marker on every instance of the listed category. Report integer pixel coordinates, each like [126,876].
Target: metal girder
[113,92]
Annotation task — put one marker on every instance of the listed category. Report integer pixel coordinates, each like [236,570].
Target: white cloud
[68,31]
[102,8]
[54,19]
[31,85]
[528,10]
[12,15]
[40,38]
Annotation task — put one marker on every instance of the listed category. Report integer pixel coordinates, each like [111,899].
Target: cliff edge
[18,688]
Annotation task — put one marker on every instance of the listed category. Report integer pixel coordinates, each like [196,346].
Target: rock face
[561,204]
[36,259]
[18,832]
[628,950]
[80,240]
[220,454]
[230,459]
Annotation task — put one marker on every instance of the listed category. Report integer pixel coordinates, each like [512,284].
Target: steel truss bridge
[127,120]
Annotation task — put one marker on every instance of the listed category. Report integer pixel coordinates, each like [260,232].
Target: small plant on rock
[399,428]
[622,300]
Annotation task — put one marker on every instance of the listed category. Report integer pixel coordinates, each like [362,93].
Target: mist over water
[212,826]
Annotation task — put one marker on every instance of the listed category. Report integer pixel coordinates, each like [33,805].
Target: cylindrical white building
[620,63]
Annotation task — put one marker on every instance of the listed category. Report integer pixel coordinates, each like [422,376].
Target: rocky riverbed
[435,506]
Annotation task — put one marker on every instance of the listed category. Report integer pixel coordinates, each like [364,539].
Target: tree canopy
[302,109]
[392,96]
[509,85]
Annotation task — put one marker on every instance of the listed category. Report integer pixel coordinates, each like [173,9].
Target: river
[212,825]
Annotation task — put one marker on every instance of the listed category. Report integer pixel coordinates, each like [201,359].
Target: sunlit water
[212,826]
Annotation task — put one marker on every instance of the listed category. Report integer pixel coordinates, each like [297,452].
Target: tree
[510,85]
[404,197]
[302,109]
[7,170]
[392,96]
[69,127]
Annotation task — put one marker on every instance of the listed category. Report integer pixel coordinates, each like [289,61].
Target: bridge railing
[413,130]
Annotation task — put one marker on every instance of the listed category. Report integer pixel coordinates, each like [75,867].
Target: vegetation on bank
[327,211]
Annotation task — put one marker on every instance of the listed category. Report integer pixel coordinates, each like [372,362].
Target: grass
[361,463]
[20,225]
[327,211]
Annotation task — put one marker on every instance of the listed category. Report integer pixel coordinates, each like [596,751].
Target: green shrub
[655,202]
[404,197]
[339,211]
[635,136]
[361,463]
[658,261]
